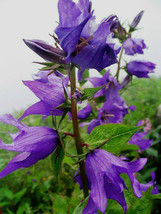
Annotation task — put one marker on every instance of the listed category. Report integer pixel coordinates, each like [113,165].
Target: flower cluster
[83,44]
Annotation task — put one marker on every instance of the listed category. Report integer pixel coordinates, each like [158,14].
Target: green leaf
[60,203]
[90,92]
[17,197]
[56,159]
[156,196]
[117,134]
[85,75]
[102,72]
[152,152]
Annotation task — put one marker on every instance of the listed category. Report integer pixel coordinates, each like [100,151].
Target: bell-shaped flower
[32,143]
[139,140]
[85,43]
[133,46]
[103,171]
[51,95]
[141,69]
[109,113]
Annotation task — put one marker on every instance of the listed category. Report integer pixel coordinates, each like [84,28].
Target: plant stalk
[118,64]
[76,132]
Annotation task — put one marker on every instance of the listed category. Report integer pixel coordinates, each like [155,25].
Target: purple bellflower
[103,171]
[81,39]
[133,46]
[138,139]
[51,95]
[140,68]
[32,143]
[109,113]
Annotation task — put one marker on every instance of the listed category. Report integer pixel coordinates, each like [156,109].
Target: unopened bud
[137,19]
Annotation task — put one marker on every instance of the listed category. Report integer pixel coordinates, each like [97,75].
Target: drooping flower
[50,93]
[141,69]
[103,171]
[32,143]
[133,46]
[139,140]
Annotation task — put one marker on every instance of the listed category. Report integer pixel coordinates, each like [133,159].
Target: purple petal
[10,120]
[96,179]
[91,207]
[137,165]
[52,95]
[85,112]
[92,125]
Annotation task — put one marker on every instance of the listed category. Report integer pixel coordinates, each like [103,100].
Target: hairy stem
[118,64]
[76,132]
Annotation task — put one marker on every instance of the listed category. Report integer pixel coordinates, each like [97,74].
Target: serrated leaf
[117,134]
[90,92]
[56,160]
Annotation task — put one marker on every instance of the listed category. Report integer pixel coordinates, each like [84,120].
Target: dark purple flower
[81,39]
[46,51]
[32,143]
[145,187]
[133,46]
[51,95]
[138,139]
[103,171]
[140,68]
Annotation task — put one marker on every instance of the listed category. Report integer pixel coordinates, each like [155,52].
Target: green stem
[76,132]
[118,64]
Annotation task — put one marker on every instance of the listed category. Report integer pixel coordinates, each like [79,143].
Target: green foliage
[145,95]
[117,136]
[90,92]
[56,159]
